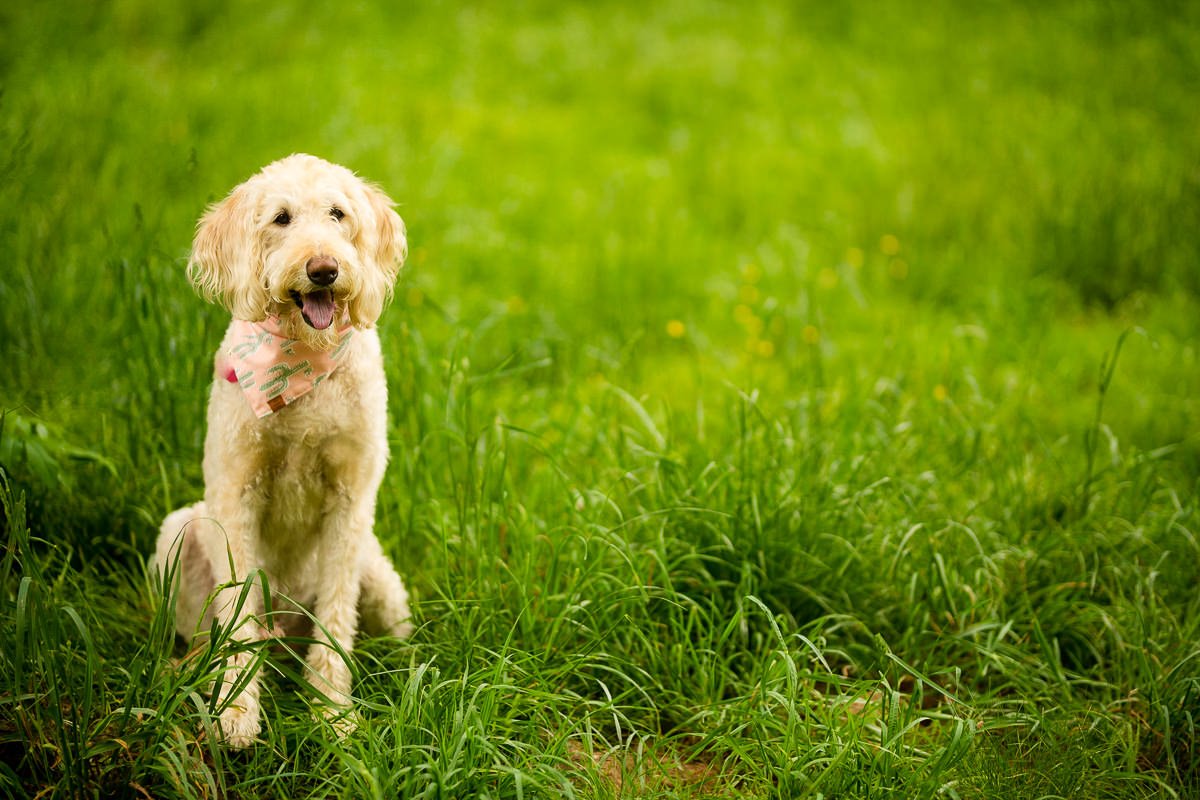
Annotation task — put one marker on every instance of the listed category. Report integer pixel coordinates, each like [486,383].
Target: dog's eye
[282,218]
[337,213]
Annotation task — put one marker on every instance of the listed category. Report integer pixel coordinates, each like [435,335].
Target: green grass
[787,400]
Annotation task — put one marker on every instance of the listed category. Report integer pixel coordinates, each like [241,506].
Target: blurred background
[837,206]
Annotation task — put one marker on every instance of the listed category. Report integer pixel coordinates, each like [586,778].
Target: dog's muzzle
[318,307]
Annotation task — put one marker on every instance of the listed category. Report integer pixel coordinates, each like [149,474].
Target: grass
[786,400]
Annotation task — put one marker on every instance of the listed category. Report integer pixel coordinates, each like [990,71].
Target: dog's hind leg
[180,558]
[383,605]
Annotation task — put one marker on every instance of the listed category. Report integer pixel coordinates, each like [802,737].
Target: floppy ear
[381,240]
[224,262]
[390,245]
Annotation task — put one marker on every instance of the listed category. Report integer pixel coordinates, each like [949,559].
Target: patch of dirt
[645,770]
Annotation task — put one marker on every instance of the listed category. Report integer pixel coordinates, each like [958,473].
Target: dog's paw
[400,630]
[239,727]
[344,719]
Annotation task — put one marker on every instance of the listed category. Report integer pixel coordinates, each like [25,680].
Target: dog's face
[306,241]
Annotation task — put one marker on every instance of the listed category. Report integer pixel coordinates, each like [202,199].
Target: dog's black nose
[322,270]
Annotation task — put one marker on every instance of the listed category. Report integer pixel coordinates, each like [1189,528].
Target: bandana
[272,369]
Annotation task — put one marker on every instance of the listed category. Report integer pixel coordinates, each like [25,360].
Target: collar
[272,369]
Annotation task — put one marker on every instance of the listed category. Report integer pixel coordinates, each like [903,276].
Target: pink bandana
[272,369]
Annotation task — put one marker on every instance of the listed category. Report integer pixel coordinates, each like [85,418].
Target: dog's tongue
[317,308]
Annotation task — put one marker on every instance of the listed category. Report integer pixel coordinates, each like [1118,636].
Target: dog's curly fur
[293,494]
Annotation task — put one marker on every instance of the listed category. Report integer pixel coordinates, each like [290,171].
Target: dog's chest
[303,502]
[315,457]
[307,455]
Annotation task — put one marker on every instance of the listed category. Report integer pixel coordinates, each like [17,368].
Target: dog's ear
[390,243]
[382,241]
[224,262]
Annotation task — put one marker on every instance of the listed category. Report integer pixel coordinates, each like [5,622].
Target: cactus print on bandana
[271,369]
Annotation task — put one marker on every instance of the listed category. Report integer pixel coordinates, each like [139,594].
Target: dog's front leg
[336,606]
[239,721]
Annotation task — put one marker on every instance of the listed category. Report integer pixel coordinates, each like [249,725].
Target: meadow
[787,400]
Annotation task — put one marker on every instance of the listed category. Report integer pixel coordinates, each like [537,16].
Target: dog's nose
[322,270]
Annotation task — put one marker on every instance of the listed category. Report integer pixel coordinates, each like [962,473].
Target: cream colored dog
[305,255]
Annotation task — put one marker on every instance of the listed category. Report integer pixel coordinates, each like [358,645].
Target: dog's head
[306,241]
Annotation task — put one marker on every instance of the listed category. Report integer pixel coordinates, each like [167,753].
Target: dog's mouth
[317,308]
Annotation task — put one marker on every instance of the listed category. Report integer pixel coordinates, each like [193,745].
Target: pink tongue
[317,309]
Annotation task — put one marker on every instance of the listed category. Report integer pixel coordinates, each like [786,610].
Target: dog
[305,256]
